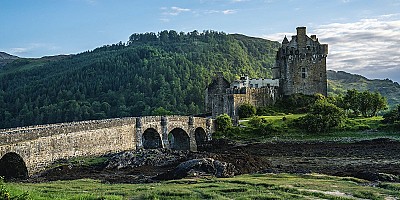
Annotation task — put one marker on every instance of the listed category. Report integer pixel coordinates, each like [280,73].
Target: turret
[285,42]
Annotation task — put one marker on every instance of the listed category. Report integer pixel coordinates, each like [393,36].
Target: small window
[303,72]
[251,85]
[256,85]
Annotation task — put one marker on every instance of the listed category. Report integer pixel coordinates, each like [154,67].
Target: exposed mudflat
[374,160]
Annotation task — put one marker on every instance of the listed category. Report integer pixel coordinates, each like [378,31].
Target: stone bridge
[25,151]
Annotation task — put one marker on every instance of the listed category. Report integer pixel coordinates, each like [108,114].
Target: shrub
[323,117]
[392,116]
[263,126]
[298,103]
[265,110]
[256,122]
[246,110]
[223,122]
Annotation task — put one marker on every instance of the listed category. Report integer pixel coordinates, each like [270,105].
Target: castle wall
[257,97]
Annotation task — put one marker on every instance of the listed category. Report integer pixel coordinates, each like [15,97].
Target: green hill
[339,82]
[150,74]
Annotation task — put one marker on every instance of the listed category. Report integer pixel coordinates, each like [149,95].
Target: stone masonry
[39,146]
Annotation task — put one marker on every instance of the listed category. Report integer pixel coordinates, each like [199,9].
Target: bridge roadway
[25,151]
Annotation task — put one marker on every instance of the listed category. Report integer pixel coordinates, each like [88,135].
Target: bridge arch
[179,139]
[12,166]
[200,136]
[151,139]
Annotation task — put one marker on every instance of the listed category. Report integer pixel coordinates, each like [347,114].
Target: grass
[354,129]
[260,186]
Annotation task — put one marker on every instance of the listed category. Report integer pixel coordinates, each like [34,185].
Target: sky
[363,35]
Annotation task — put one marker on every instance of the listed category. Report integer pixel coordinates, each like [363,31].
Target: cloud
[174,11]
[18,50]
[225,12]
[30,48]
[228,12]
[369,47]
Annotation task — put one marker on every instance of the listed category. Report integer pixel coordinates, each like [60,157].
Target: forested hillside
[339,82]
[152,73]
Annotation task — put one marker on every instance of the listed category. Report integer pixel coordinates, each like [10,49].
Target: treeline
[152,74]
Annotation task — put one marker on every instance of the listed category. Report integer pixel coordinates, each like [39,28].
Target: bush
[246,110]
[323,117]
[392,116]
[256,122]
[223,122]
[263,126]
[265,110]
[298,103]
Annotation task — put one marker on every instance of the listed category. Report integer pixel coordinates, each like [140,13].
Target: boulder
[202,166]
[146,157]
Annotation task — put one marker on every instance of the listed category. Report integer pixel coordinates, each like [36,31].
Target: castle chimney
[301,37]
[301,31]
[314,37]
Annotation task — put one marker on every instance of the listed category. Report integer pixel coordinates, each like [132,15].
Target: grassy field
[353,129]
[262,186]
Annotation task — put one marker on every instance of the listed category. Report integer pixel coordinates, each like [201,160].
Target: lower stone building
[222,97]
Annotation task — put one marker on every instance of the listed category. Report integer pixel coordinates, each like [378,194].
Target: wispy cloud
[228,12]
[29,48]
[174,11]
[369,46]
[225,12]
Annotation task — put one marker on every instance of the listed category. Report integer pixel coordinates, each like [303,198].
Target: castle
[300,67]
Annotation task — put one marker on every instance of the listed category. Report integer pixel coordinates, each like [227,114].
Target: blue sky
[363,35]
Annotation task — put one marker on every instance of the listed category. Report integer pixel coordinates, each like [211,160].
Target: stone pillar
[209,128]
[139,133]
[192,134]
[164,132]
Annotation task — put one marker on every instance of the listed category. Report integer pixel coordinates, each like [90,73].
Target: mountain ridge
[6,58]
[340,81]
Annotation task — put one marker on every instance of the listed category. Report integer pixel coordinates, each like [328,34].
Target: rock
[143,157]
[201,166]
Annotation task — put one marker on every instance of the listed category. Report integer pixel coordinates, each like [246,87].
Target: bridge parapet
[19,134]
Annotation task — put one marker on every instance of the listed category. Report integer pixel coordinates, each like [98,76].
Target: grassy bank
[278,128]
[263,186]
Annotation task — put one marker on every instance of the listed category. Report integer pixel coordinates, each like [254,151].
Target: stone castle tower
[301,65]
